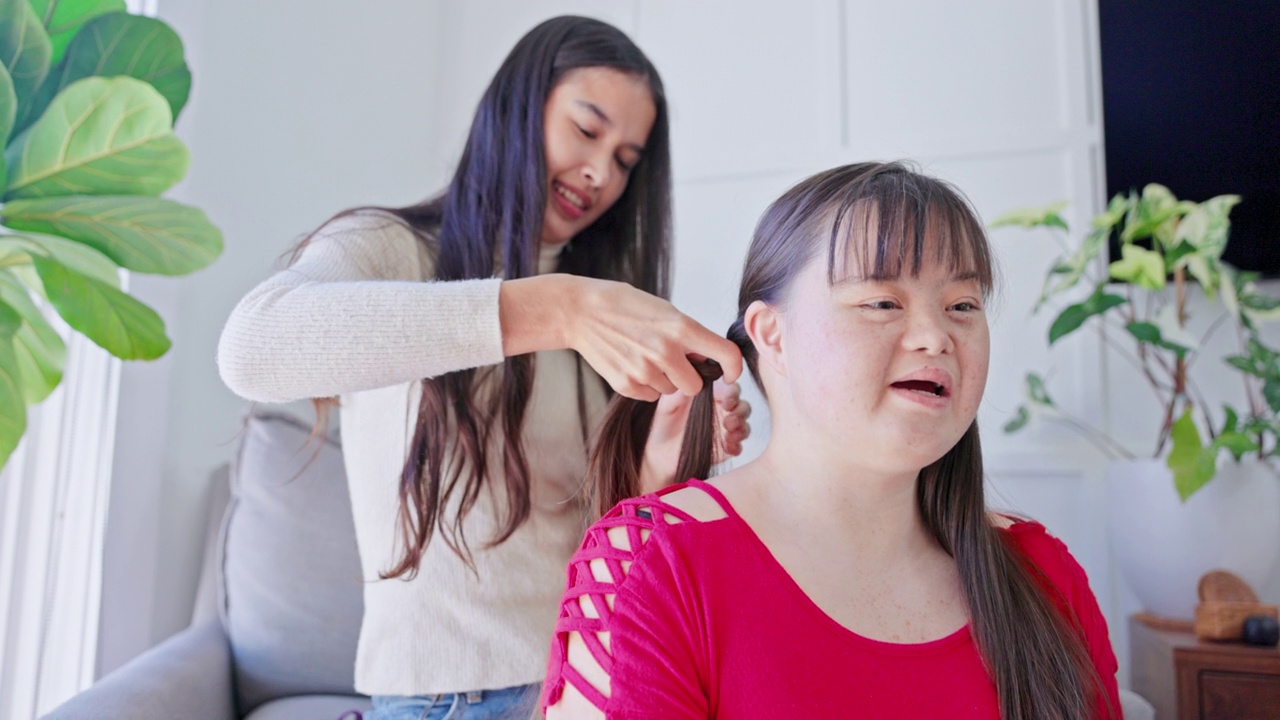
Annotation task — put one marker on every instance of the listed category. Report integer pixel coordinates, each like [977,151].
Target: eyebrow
[595,109]
[969,276]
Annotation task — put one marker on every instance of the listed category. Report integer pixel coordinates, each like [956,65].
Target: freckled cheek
[841,363]
[977,364]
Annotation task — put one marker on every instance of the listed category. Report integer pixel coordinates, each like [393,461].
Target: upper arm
[581,679]
[364,245]
[1097,638]
[1083,607]
[352,314]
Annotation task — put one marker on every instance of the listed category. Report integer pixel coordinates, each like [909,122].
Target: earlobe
[763,324]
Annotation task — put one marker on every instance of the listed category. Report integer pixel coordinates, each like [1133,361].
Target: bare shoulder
[1000,520]
[695,502]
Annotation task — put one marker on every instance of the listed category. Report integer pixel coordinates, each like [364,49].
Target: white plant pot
[1163,546]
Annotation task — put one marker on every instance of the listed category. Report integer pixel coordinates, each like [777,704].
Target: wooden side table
[1189,679]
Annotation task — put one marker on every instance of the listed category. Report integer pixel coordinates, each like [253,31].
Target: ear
[763,324]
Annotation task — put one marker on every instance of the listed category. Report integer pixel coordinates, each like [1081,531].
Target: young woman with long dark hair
[472,341]
[852,570]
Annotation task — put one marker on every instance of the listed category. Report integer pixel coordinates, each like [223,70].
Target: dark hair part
[884,221]
[492,211]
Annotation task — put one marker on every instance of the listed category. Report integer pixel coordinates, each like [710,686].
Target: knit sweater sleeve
[358,310]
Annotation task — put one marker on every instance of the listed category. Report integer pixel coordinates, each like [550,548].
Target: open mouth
[570,196]
[925,387]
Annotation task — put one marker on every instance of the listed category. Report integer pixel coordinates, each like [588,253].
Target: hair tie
[738,335]
[709,369]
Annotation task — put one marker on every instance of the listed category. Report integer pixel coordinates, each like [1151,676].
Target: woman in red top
[852,570]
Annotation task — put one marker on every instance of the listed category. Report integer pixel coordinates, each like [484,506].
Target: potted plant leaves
[88,97]
[1170,519]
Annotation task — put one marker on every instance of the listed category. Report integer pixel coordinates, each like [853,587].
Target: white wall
[300,109]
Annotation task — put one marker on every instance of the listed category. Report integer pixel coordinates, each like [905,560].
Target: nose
[596,170]
[928,332]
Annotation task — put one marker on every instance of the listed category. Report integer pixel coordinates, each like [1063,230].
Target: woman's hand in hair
[732,414]
[662,450]
[636,341]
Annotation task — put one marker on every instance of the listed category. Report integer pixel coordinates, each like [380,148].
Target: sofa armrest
[1135,707]
[186,676]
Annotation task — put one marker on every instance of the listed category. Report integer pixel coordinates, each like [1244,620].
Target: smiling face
[885,370]
[596,121]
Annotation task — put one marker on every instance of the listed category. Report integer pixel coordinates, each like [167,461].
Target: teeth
[570,197]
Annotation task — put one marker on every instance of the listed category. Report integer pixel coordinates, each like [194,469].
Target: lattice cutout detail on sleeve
[596,571]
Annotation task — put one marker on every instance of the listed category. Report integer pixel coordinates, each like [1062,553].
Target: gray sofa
[274,630]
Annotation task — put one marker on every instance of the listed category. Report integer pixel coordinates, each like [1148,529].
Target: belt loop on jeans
[475,697]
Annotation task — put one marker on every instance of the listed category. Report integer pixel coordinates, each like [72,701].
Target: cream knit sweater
[358,317]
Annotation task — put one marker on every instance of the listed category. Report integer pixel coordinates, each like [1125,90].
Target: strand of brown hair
[613,469]
[1037,657]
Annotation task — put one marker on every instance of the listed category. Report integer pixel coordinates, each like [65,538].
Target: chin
[918,459]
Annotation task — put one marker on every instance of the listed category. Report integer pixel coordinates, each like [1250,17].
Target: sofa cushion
[291,593]
[312,707]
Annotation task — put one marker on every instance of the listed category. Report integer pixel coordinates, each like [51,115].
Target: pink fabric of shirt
[707,624]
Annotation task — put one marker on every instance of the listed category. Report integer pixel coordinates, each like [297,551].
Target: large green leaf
[1070,319]
[100,136]
[1047,216]
[1150,333]
[114,45]
[25,49]
[150,235]
[1192,463]
[41,355]
[1114,213]
[1154,214]
[1271,393]
[115,322]
[76,256]
[13,409]
[1236,443]
[1070,270]
[62,19]
[1140,266]
[119,324]
[8,111]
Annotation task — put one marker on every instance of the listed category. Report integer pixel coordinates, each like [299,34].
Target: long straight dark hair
[896,220]
[492,212]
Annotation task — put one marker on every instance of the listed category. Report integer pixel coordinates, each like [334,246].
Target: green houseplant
[1167,522]
[88,97]
[1165,243]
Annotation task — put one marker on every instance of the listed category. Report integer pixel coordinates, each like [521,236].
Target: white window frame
[53,501]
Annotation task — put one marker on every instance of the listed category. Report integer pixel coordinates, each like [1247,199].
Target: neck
[852,504]
[549,256]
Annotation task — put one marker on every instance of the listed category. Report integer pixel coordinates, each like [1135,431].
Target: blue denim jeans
[513,703]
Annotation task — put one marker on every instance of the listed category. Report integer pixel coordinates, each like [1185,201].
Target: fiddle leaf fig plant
[88,98]
[1165,243]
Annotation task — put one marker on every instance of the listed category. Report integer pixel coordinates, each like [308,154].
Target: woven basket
[1225,602]
[1224,620]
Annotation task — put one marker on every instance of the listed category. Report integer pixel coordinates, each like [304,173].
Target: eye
[624,165]
[588,133]
[881,305]
[966,306]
